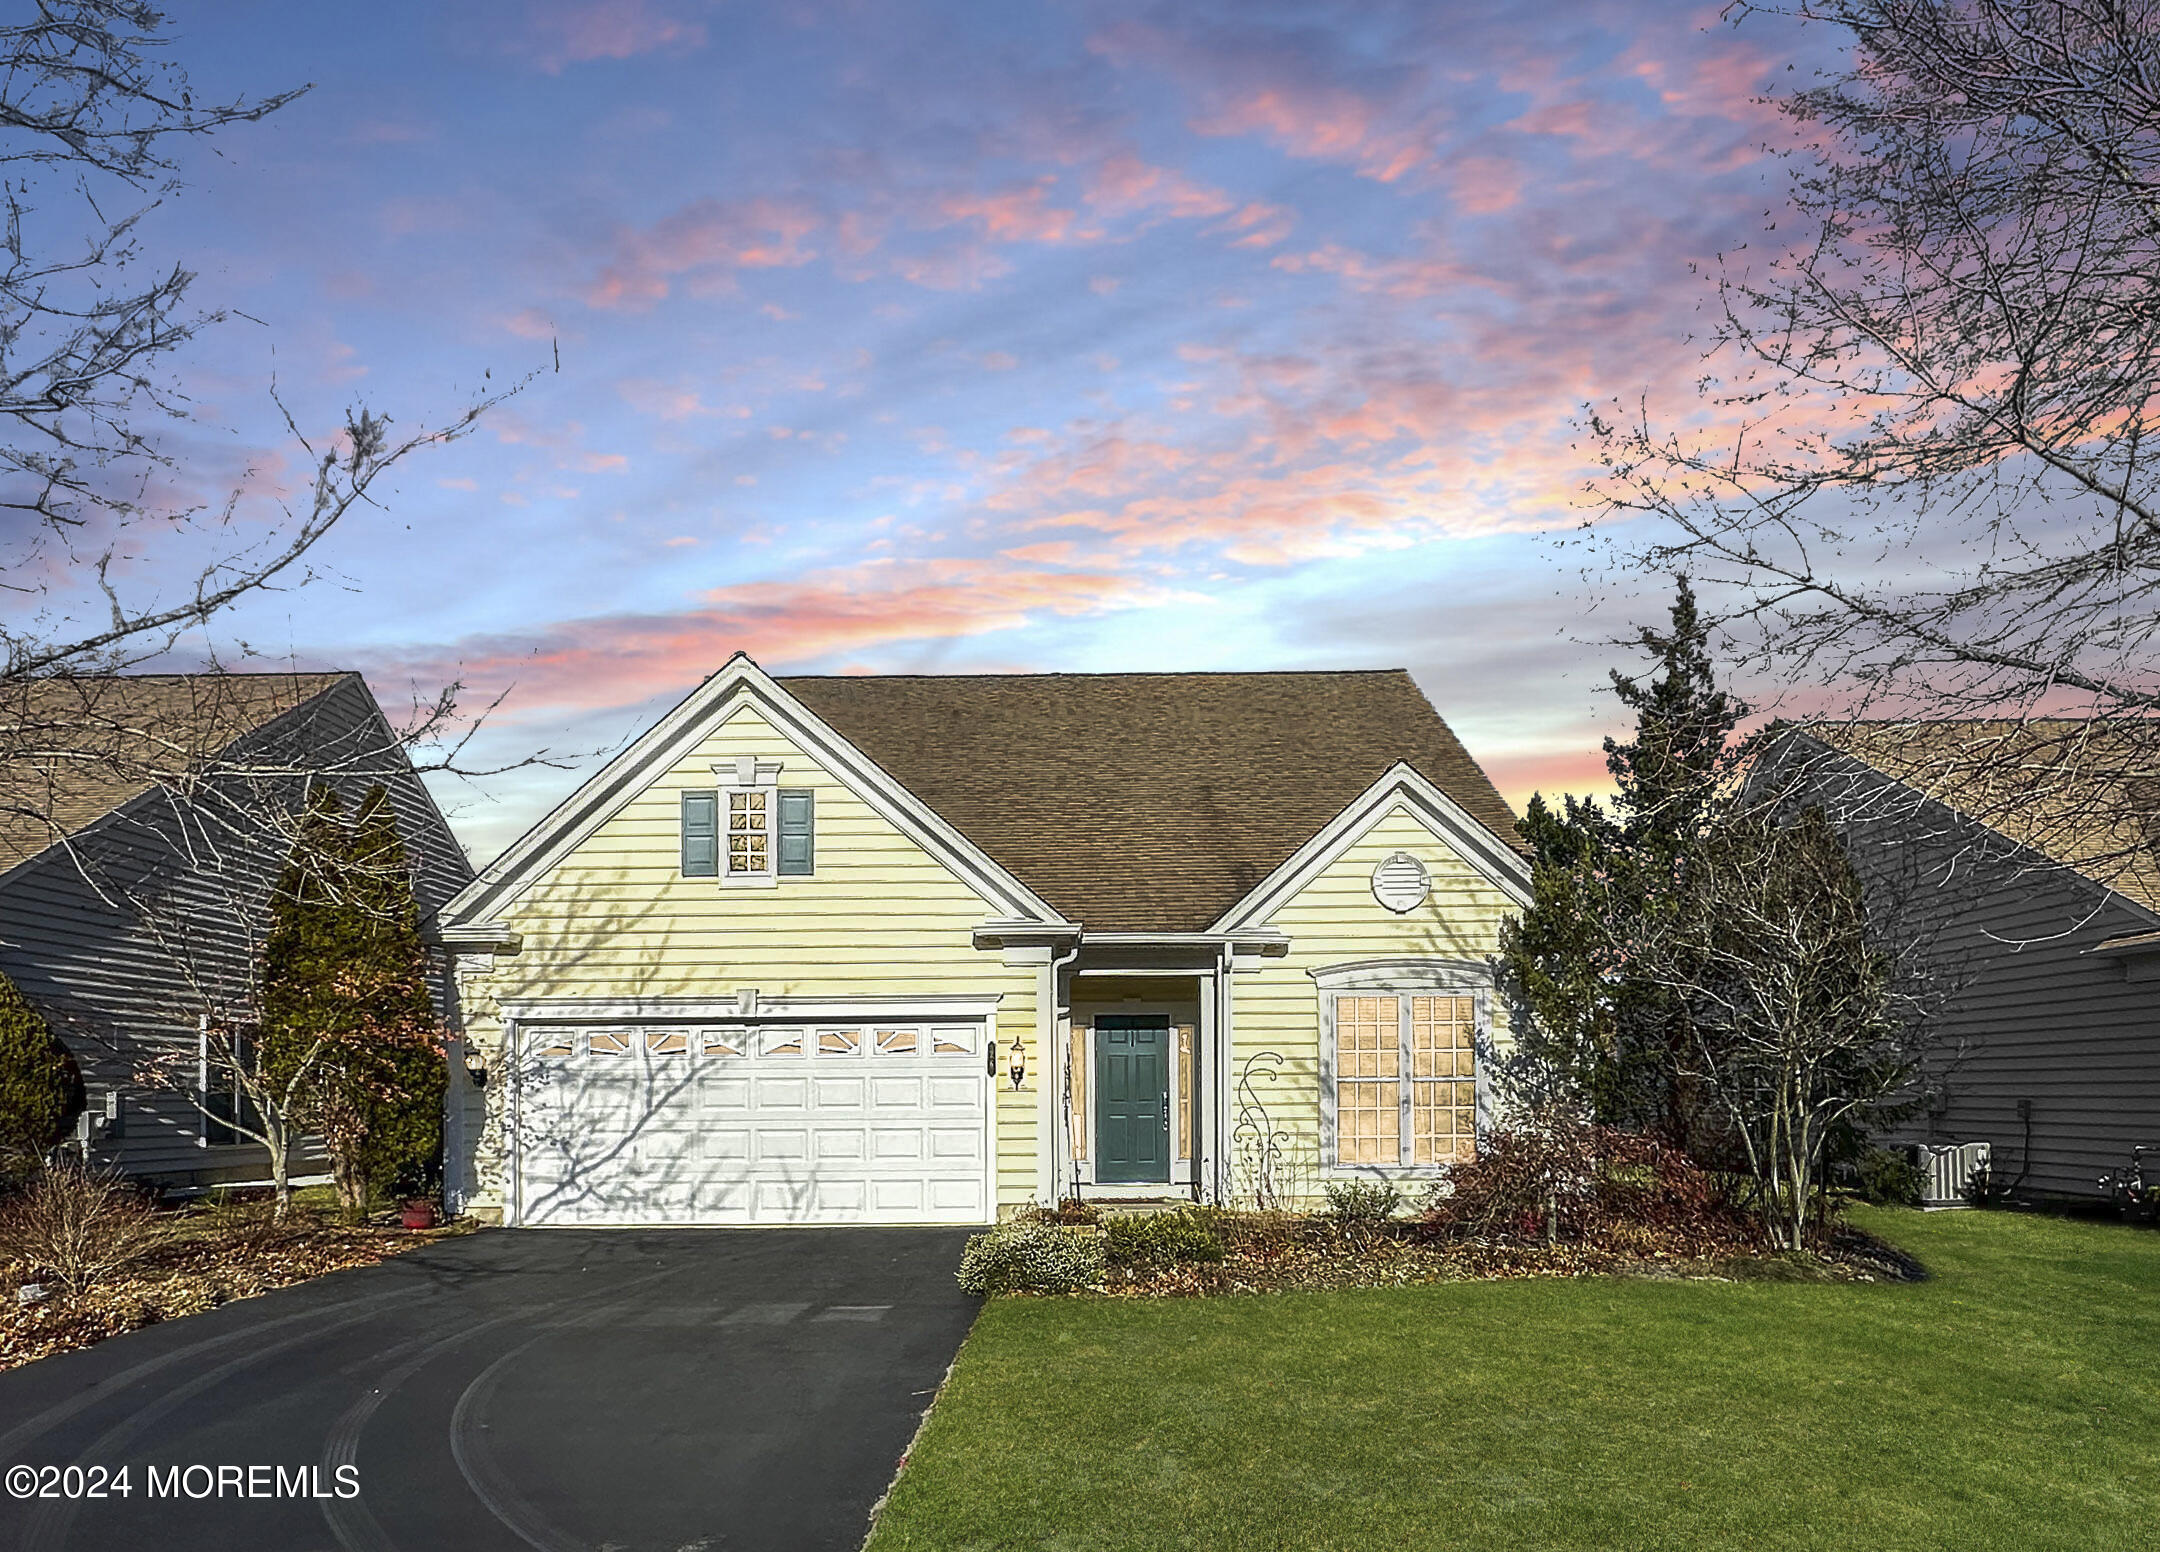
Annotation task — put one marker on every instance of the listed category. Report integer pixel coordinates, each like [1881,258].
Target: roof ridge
[221,673]
[1116,673]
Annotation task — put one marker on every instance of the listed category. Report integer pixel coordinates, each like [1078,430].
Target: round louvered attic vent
[1401,883]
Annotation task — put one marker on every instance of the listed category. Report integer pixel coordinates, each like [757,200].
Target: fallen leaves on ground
[196,1269]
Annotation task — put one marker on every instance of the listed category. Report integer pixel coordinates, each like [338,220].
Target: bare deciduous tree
[94,114]
[231,1082]
[1924,474]
[1801,1020]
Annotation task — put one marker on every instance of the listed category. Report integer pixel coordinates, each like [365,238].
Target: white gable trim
[1401,787]
[670,740]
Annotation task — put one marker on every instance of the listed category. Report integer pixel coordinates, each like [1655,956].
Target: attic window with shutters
[750,830]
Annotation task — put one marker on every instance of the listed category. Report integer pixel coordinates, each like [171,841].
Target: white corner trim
[667,742]
[1470,840]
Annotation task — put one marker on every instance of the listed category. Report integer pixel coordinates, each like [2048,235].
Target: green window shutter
[701,834]
[798,846]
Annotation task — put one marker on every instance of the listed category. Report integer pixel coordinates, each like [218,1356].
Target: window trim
[209,1125]
[1402,979]
[746,775]
[768,876]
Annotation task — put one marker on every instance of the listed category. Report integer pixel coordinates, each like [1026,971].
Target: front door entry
[1132,1099]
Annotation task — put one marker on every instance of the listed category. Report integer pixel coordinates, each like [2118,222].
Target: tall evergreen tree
[1587,1020]
[345,989]
[41,1090]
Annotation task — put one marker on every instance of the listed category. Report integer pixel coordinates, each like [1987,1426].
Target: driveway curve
[554,1389]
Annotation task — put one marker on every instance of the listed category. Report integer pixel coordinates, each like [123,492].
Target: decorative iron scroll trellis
[1260,1145]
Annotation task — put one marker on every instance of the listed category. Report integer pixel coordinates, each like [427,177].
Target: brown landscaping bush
[76,1228]
[1362,1204]
[1556,1178]
[1072,1212]
[249,1223]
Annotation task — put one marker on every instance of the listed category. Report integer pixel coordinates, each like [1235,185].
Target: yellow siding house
[926,949]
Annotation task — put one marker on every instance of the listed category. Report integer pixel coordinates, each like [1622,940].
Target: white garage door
[622,1123]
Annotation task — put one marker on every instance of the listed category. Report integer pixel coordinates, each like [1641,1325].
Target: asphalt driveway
[551,1389]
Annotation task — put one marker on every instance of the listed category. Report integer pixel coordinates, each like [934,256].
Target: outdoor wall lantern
[476,1067]
[1019,1062]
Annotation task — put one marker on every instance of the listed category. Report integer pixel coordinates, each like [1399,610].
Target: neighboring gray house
[2021,858]
[143,821]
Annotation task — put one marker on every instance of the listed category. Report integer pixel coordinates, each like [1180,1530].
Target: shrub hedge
[1032,1257]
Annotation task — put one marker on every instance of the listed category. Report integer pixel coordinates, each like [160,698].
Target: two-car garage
[620,1121]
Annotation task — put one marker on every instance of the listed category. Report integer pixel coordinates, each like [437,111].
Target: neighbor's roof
[1148,802]
[2083,793]
[74,749]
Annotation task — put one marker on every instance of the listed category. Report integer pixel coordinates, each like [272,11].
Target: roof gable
[1152,802]
[671,739]
[1404,789]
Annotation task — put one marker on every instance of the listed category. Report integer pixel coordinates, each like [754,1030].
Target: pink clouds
[1023,214]
[1326,125]
[1278,96]
[1123,183]
[1482,185]
[1259,225]
[617,660]
[562,444]
[1417,277]
[706,242]
[672,402]
[1519,773]
[568,32]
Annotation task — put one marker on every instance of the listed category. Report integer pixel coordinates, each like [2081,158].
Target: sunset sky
[908,337]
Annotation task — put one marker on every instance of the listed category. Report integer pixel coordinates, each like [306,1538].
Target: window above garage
[749,829]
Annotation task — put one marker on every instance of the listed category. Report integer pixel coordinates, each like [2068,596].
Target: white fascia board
[1493,859]
[1265,939]
[670,739]
[729,1010]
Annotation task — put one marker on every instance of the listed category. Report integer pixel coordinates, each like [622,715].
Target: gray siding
[2028,1011]
[155,916]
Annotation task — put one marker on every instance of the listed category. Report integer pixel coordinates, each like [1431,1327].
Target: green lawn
[2013,1401]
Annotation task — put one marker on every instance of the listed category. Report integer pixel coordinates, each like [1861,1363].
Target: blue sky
[961,337]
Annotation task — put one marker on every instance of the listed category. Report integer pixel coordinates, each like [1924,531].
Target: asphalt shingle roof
[74,749]
[2083,793]
[1148,802]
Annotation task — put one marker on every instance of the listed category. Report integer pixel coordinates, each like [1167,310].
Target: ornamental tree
[41,1089]
[1591,1026]
[346,998]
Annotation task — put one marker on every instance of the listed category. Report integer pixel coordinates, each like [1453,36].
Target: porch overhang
[478,938]
[1026,942]
[1246,948]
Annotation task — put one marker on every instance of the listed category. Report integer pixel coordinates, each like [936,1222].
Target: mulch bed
[1318,1257]
[198,1268]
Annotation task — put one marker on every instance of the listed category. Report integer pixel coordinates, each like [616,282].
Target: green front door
[1132,1099]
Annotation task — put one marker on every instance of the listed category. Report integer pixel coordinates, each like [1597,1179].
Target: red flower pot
[419,1215]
